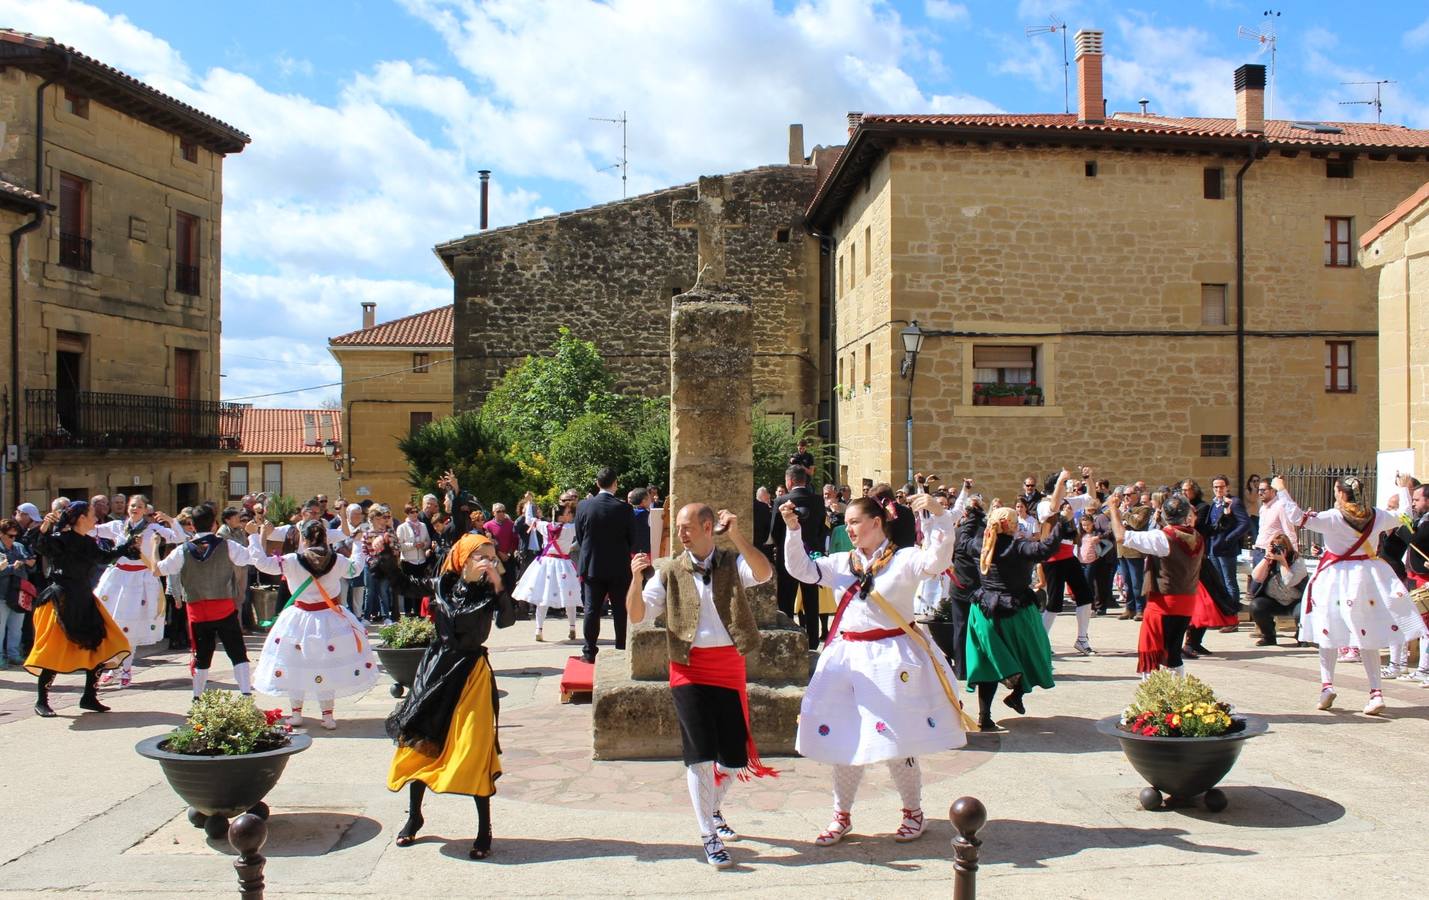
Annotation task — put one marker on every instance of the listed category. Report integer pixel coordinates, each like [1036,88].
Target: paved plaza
[1329,804]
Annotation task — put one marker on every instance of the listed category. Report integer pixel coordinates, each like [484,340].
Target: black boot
[408,835]
[481,847]
[89,700]
[1014,701]
[42,694]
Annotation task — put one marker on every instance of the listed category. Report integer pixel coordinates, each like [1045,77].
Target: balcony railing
[76,252]
[186,279]
[86,420]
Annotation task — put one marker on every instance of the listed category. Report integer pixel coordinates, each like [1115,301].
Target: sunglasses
[1029,484]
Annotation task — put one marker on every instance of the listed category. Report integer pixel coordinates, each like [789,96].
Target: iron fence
[186,279]
[1313,487]
[89,420]
[76,252]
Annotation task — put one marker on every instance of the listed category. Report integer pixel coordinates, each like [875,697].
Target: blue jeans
[1226,568]
[379,597]
[12,624]
[1132,571]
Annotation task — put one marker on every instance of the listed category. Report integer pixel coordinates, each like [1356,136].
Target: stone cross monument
[711,461]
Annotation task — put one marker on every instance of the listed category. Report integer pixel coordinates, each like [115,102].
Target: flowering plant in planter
[1166,705]
[1034,393]
[408,632]
[224,724]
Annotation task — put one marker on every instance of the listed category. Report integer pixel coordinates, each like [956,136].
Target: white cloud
[1171,67]
[945,11]
[1417,38]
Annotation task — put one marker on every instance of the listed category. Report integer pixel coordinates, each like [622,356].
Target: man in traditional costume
[710,629]
[1174,553]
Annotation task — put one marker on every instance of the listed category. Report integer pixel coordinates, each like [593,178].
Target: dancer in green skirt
[1006,641]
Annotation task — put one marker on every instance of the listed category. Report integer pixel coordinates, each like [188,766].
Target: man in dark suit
[1229,526]
[809,507]
[605,531]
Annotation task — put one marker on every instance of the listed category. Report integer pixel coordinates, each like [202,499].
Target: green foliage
[1168,705]
[774,444]
[649,459]
[589,443]
[280,509]
[408,631]
[484,465]
[535,401]
[224,724]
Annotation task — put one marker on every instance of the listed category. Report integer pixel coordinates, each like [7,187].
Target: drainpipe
[15,237]
[829,358]
[1240,319]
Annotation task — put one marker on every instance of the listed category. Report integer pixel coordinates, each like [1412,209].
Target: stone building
[608,272]
[284,451]
[1184,291]
[396,377]
[1397,248]
[112,329]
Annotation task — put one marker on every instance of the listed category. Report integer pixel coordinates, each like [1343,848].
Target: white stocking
[126,668]
[1398,650]
[1084,620]
[701,780]
[1048,618]
[200,679]
[1370,658]
[571,613]
[1327,665]
[326,701]
[540,618]
[245,680]
[846,781]
[1424,655]
[722,785]
[908,778]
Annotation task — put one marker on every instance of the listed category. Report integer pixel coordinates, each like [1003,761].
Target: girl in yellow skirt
[446,727]
[73,630]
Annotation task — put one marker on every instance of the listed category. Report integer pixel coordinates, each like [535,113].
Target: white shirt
[415,541]
[897,583]
[710,631]
[238,554]
[1152,543]
[118,530]
[289,567]
[1078,502]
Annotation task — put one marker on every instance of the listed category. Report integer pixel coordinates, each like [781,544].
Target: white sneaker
[539,639]
[1392,671]
[1415,676]
[1084,647]
[1375,706]
[1327,698]
[715,854]
[296,720]
[722,828]
[329,722]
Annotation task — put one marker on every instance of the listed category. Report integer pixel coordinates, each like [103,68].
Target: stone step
[783,656]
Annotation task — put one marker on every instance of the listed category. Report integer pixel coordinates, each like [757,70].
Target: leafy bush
[408,631]
[280,509]
[536,400]
[649,459]
[484,465]
[1167,705]
[589,443]
[774,444]
[224,724]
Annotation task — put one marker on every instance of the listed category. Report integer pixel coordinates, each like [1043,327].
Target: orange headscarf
[465,546]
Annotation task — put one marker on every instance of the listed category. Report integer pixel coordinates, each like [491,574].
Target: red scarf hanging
[723,667]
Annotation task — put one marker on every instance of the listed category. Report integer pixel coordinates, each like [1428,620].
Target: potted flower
[1002,395]
[979,395]
[403,643]
[1181,739]
[1033,394]
[225,758]
[942,629]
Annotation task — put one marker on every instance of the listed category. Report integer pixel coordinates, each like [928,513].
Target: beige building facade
[396,377]
[1183,293]
[296,452]
[114,384]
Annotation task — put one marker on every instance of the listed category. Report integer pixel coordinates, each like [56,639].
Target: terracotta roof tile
[1394,216]
[10,189]
[282,431]
[432,328]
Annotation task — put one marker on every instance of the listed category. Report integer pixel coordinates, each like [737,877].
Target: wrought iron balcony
[76,252]
[186,279]
[87,420]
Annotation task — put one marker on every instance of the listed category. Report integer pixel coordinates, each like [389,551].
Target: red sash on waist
[1329,559]
[211,609]
[878,634]
[1064,551]
[723,667]
[131,567]
[310,607]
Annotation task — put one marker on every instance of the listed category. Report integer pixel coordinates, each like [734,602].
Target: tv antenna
[1266,37]
[624,164]
[1056,26]
[1377,102]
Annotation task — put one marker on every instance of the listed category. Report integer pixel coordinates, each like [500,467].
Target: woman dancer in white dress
[1354,598]
[879,694]
[551,580]
[129,589]
[316,646]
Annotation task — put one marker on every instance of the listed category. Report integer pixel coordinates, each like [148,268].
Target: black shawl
[74,563]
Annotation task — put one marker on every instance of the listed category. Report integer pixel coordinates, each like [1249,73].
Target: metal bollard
[969,816]
[247,834]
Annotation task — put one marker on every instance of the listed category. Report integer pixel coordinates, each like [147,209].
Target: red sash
[209,609]
[723,667]
[131,567]
[1329,559]
[878,634]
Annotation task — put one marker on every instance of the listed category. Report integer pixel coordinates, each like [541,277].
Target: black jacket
[903,531]
[763,522]
[75,560]
[810,509]
[605,530]
[967,547]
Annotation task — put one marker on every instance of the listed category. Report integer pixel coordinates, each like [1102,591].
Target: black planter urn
[216,788]
[944,634]
[401,663]
[1183,768]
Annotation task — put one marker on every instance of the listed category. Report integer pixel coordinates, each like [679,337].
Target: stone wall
[1400,258]
[1014,241]
[608,273]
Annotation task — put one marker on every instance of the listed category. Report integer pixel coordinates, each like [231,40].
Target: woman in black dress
[73,630]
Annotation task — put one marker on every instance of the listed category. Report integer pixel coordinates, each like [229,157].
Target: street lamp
[331,449]
[912,344]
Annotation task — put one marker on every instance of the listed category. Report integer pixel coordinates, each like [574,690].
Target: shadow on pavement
[309,834]
[1028,845]
[117,718]
[1262,807]
[527,672]
[1043,734]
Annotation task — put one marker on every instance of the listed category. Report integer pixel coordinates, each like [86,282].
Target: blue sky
[370,118]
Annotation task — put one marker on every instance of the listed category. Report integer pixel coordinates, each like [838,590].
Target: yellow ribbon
[887,609]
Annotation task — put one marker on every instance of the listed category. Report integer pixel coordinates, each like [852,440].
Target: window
[327,430]
[188,150]
[76,104]
[1090,169]
[273,477]
[867,366]
[1213,184]
[1004,364]
[237,480]
[841,276]
[421,363]
[782,235]
[842,384]
[1337,241]
[186,274]
[418,421]
[1339,168]
[1215,445]
[75,246]
[1339,367]
[867,250]
[1213,305]
[852,264]
[310,430]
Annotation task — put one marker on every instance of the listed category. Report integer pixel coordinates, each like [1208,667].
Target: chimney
[1250,98]
[855,119]
[796,145]
[369,313]
[1090,105]
[485,190]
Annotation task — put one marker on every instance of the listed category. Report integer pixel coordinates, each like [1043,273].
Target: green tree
[589,443]
[774,444]
[649,460]
[484,464]
[536,400]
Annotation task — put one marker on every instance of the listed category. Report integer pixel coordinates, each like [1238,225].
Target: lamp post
[912,343]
